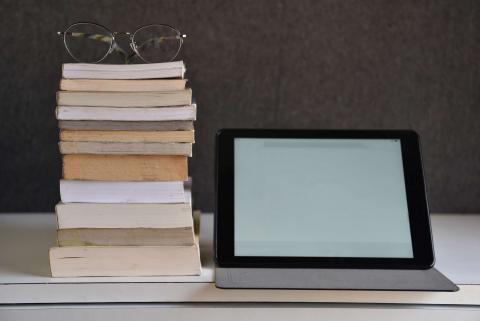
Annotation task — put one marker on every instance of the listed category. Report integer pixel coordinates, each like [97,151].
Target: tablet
[321,199]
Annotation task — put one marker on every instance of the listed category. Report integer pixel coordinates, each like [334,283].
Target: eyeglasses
[90,42]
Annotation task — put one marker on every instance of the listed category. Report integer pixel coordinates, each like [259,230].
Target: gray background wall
[293,64]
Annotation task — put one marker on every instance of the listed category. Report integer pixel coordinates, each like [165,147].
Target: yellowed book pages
[76,261]
[125,236]
[122,85]
[125,136]
[125,167]
[125,99]
[109,148]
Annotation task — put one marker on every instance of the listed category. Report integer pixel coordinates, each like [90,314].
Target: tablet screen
[320,198]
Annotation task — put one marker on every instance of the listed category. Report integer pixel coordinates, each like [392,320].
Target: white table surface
[25,276]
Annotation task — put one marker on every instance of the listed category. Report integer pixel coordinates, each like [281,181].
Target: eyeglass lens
[157,43]
[87,42]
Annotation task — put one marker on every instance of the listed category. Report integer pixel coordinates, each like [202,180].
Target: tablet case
[333,279]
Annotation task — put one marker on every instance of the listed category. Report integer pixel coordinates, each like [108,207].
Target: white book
[174,69]
[121,148]
[127,114]
[76,261]
[78,191]
[94,215]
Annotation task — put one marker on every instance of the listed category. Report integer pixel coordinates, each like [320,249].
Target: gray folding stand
[333,279]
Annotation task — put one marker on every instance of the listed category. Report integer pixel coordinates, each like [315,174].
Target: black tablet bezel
[415,191]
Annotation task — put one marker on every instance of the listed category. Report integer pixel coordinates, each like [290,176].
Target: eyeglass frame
[114,44]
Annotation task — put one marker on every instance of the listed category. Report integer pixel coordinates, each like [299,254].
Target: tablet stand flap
[333,279]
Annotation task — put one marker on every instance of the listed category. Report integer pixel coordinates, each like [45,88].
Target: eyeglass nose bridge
[126,33]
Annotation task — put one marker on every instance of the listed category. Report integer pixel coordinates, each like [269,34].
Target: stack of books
[126,132]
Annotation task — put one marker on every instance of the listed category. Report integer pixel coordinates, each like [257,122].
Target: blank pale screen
[320,198]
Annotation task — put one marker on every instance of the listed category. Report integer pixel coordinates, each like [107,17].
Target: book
[77,191]
[126,132]
[125,125]
[76,261]
[129,215]
[122,85]
[126,114]
[125,236]
[125,167]
[174,69]
[113,148]
[125,99]
[179,136]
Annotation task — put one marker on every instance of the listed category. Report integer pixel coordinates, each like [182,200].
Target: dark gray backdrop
[293,64]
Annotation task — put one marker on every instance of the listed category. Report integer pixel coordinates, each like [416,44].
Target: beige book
[125,236]
[125,167]
[95,215]
[125,99]
[124,136]
[122,85]
[109,148]
[176,125]
[76,261]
